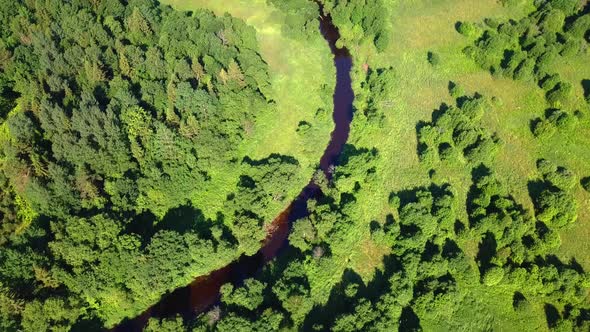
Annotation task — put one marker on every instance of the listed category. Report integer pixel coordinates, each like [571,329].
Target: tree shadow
[271,159]
[586,87]
[487,250]
[349,151]
[552,315]
[142,225]
[535,188]
[409,321]
[338,302]
[183,219]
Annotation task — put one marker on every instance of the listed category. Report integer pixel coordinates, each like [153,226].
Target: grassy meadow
[423,26]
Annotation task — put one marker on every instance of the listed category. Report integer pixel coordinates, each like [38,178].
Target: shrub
[475,108]
[556,208]
[560,94]
[468,29]
[553,20]
[525,70]
[549,82]
[492,23]
[585,182]
[447,152]
[456,90]
[571,47]
[563,120]
[562,178]
[493,276]
[484,150]
[545,166]
[579,28]
[433,58]
[543,129]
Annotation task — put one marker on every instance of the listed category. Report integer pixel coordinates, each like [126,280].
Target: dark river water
[203,292]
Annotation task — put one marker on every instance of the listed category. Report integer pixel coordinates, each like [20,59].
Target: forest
[148,148]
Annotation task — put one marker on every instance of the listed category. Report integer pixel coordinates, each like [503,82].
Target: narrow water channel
[203,292]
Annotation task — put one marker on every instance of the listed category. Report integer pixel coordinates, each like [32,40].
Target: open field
[423,26]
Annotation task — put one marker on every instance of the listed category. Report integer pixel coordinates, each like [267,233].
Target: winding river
[203,292]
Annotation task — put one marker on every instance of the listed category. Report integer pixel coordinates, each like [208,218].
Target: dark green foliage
[10,310]
[585,182]
[126,109]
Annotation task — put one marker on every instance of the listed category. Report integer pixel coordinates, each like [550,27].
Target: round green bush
[493,276]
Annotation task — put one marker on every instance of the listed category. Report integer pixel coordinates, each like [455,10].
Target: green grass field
[428,25]
[297,69]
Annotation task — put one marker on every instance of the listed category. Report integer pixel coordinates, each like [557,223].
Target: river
[203,292]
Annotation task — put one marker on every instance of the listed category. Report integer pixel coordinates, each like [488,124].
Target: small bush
[549,82]
[562,178]
[543,129]
[468,29]
[455,90]
[585,182]
[493,276]
[433,58]
[571,47]
[563,120]
[560,94]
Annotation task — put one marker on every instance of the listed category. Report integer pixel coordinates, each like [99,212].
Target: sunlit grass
[419,27]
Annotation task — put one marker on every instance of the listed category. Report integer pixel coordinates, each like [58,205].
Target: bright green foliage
[556,208]
[556,120]
[233,322]
[579,27]
[303,234]
[493,276]
[165,325]
[373,98]
[559,177]
[53,314]
[249,296]
[301,20]
[455,133]
[359,21]
[514,49]
[468,29]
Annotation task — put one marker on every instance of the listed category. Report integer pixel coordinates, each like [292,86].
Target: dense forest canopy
[460,201]
[115,115]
